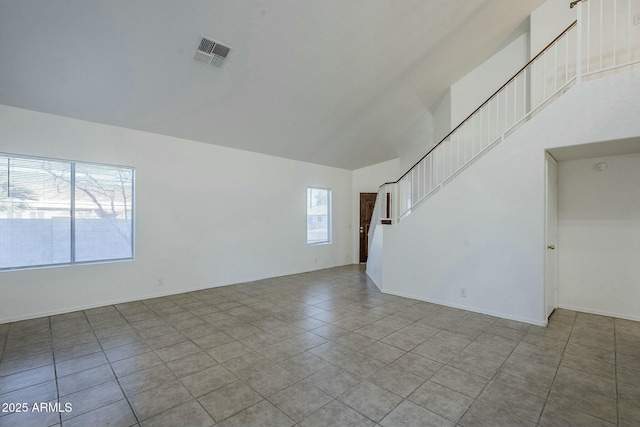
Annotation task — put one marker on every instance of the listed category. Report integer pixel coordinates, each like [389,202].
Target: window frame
[72,213]
[329,239]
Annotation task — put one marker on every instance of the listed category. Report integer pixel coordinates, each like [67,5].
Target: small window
[318,216]
[60,212]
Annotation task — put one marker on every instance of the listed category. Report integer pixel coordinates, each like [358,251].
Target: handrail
[484,103]
[563,63]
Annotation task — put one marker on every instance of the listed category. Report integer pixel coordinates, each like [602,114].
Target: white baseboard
[474,309]
[142,297]
[103,304]
[599,312]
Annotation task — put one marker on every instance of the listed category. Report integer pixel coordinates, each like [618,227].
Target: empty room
[319,213]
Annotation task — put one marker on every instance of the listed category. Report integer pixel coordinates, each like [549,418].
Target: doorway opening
[598,228]
[551,235]
[367,203]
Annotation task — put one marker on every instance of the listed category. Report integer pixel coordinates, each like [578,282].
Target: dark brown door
[367,202]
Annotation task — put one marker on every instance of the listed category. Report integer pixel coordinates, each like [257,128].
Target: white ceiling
[334,82]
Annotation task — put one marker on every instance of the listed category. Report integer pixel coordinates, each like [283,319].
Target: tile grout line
[451,366]
[564,348]
[386,316]
[477,398]
[615,371]
[352,301]
[27,370]
[114,372]
[111,368]
[415,322]
[351,373]
[176,377]
[4,343]
[163,363]
[55,368]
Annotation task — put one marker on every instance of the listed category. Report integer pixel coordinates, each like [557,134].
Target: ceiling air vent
[211,52]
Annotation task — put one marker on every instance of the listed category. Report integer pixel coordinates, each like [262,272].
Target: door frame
[551,287]
[363,230]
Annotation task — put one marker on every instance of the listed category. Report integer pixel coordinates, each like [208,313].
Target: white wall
[472,90]
[442,118]
[367,180]
[462,98]
[468,93]
[484,231]
[417,140]
[375,262]
[547,21]
[205,216]
[599,236]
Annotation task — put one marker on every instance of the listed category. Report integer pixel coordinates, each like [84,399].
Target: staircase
[601,42]
[485,232]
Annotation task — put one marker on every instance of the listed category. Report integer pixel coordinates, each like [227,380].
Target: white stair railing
[602,41]
[610,35]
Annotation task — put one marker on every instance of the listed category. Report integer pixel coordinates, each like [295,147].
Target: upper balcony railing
[602,41]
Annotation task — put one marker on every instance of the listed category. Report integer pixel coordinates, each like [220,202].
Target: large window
[318,216]
[60,212]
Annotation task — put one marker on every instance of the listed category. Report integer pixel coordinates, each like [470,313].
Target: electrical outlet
[636,19]
[463,292]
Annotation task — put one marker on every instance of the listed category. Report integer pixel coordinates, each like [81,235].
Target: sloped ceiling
[333,82]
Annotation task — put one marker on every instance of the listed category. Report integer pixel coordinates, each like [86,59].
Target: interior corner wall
[442,118]
[416,142]
[599,236]
[484,231]
[205,216]
[367,180]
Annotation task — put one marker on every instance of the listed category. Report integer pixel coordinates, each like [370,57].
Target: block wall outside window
[56,212]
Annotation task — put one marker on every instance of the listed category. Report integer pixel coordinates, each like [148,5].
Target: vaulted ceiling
[333,82]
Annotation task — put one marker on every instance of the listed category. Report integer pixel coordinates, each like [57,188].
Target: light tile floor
[318,349]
